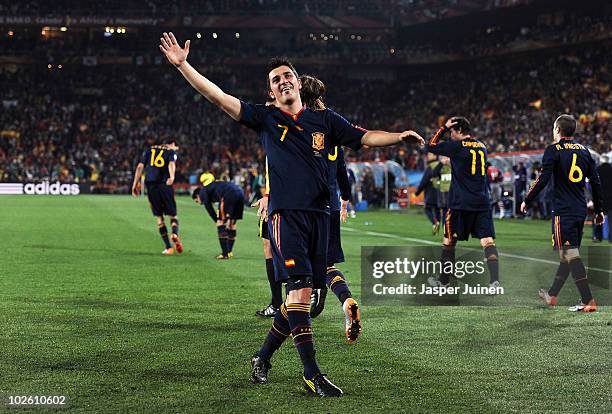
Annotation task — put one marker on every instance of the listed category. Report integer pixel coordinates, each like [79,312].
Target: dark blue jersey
[338,178]
[297,147]
[469,189]
[569,163]
[156,160]
[217,191]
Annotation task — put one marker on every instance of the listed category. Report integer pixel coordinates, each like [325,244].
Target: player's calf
[163,232]
[335,280]
[492,257]
[277,334]
[222,234]
[580,276]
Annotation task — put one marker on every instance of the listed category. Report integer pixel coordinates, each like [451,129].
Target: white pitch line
[429,242]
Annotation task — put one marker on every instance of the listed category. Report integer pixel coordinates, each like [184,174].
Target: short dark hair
[566,124]
[196,192]
[462,126]
[173,141]
[277,62]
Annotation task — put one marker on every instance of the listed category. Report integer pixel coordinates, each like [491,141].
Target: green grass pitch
[90,309]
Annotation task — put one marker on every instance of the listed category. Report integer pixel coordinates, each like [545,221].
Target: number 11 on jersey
[482,161]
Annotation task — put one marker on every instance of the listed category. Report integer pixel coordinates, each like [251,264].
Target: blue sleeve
[144,158]
[345,133]
[595,182]
[172,157]
[342,177]
[252,116]
[446,148]
[206,203]
[548,164]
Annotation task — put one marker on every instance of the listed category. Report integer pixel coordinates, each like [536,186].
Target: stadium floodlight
[199,35]
[63,29]
[214,35]
[237,35]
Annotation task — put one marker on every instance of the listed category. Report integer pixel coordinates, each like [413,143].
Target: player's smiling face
[284,85]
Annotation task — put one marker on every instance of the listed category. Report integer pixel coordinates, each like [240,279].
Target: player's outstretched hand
[343,210]
[412,136]
[599,218]
[171,49]
[451,122]
[262,207]
[524,208]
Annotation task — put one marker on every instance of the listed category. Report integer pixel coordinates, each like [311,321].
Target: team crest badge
[318,141]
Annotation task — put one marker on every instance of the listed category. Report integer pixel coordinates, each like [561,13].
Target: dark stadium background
[85,88]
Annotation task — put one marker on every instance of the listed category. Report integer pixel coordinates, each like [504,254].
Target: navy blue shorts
[460,224]
[567,231]
[299,245]
[262,227]
[334,247]
[161,199]
[231,208]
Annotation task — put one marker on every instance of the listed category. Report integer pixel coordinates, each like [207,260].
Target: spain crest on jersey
[318,141]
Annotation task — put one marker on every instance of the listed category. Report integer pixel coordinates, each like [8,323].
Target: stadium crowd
[415,11]
[90,124]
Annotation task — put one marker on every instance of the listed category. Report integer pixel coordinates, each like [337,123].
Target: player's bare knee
[299,295]
[486,242]
[446,242]
[267,248]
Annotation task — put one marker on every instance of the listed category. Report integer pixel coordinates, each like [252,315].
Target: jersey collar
[294,116]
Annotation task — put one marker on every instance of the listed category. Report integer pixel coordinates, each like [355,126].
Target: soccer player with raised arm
[297,141]
[469,209]
[231,208]
[570,164]
[159,165]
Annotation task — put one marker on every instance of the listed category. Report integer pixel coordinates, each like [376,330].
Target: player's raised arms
[177,55]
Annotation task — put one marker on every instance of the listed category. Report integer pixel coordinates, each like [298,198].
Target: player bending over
[469,209]
[231,207]
[297,141]
[570,164]
[159,165]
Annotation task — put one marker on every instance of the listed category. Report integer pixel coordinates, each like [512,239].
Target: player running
[312,93]
[469,209]
[231,207]
[159,165]
[570,164]
[297,141]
